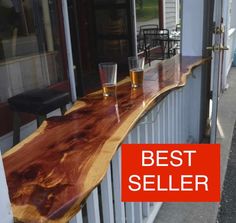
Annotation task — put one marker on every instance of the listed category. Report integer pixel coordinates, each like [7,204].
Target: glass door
[113,31]
[103,30]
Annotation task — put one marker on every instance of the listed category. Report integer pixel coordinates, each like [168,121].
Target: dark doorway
[100,32]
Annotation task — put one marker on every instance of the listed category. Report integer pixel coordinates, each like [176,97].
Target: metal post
[69,50]
[134,28]
[47,26]
[216,70]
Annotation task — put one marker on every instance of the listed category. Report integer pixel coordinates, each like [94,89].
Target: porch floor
[207,212]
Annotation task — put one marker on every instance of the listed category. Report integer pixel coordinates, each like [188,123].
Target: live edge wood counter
[51,172]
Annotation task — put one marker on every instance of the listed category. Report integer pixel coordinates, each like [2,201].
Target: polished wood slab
[52,171]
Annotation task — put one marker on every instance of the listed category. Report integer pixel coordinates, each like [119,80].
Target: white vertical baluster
[155,207]
[164,124]
[78,218]
[186,112]
[169,118]
[174,115]
[142,130]
[5,205]
[176,98]
[129,139]
[134,135]
[183,116]
[138,134]
[146,209]
[165,129]
[146,205]
[119,206]
[146,129]
[159,125]
[138,212]
[93,207]
[165,118]
[129,206]
[107,199]
[153,126]
[180,116]
[172,110]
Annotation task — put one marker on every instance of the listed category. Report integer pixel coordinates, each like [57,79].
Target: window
[147,12]
[30,46]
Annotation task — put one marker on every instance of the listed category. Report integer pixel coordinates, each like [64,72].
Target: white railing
[173,120]
[176,119]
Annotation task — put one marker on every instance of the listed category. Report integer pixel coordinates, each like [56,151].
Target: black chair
[163,37]
[140,35]
[157,44]
[148,26]
[150,42]
[38,102]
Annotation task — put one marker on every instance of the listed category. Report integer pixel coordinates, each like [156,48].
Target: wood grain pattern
[51,172]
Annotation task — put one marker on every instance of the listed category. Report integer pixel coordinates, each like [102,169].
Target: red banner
[171,172]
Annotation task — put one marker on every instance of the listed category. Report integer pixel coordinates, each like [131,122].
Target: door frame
[207,68]
[196,21]
[216,68]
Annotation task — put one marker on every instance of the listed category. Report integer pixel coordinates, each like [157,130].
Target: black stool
[38,102]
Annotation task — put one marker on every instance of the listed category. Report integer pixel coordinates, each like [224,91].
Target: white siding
[170,14]
[192,27]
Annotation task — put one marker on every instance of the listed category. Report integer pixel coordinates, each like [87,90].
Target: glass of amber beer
[136,71]
[108,77]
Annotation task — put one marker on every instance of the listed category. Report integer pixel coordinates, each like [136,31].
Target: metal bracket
[217,47]
[218,29]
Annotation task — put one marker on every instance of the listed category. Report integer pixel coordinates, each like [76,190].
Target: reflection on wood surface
[50,173]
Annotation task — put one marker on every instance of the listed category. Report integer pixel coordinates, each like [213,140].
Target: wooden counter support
[52,172]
